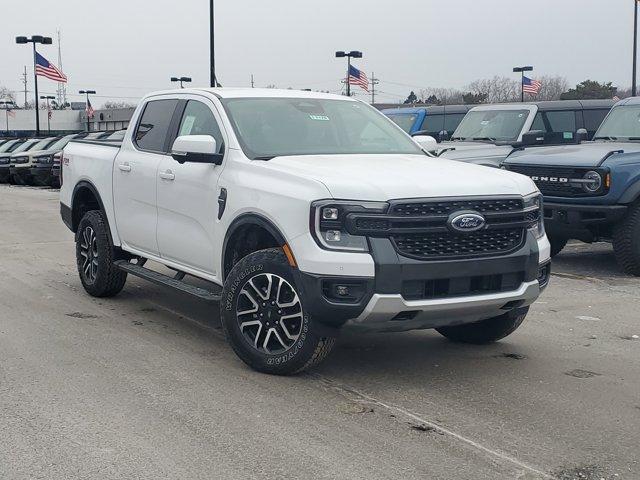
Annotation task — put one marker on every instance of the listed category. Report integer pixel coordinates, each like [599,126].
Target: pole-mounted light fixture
[45,41]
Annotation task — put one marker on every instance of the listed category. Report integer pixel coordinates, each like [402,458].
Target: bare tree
[111,105]
[6,94]
[440,96]
[497,89]
[552,87]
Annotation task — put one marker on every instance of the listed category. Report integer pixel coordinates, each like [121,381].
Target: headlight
[328,223]
[593,182]
[534,209]
[43,159]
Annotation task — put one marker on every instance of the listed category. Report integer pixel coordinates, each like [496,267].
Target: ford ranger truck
[304,213]
[592,190]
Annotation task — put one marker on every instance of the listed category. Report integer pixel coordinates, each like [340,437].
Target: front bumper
[580,221]
[408,294]
[41,171]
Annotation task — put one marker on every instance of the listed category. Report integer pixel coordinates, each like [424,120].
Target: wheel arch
[631,194]
[85,197]
[246,234]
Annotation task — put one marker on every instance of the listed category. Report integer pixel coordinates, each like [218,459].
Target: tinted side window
[452,120]
[198,119]
[433,123]
[559,127]
[593,119]
[154,125]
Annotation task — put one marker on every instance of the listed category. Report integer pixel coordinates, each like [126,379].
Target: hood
[38,153]
[588,154]
[386,177]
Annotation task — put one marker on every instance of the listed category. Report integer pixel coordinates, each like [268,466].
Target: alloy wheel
[89,254]
[270,313]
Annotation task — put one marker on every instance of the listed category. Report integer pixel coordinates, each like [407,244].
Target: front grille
[550,180]
[440,245]
[461,286]
[419,209]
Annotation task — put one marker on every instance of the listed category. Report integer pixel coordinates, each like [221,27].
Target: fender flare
[249,219]
[82,184]
[631,193]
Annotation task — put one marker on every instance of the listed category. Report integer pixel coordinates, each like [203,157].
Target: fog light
[543,275]
[333,235]
[342,290]
[329,213]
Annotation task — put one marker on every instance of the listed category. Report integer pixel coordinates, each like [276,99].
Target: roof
[431,109]
[629,101]
[224,92]
[552,105]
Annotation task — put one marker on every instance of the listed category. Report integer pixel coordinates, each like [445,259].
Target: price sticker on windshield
[322,118]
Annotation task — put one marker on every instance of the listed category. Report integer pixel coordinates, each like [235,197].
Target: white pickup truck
[305,213]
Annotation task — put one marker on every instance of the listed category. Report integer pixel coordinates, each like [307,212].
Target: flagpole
[35,79]
[635,47]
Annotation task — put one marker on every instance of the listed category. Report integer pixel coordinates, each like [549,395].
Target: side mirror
[443,136]
[427,142]
[582,135]
[196,149]
[533,137]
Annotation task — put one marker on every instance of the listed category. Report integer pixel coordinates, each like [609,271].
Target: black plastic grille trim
[557,189]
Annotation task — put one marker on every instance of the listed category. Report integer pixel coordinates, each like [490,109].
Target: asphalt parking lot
[144,385]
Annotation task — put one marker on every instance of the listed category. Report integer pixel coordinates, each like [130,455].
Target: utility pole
[24,82]
[374,82]
[212,52]
[635,47]
[62,90]
[252,81]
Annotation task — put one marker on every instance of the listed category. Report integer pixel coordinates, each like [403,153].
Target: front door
[134,177]
[188,196]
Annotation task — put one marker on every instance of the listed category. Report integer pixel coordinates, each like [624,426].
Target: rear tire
[626,241]
[95,256]
[263,316]
[486,331]
[557,244]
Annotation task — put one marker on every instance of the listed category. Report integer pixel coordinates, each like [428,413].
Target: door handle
[167,175]
[125,167]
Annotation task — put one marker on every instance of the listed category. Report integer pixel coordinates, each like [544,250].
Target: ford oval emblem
[466,221]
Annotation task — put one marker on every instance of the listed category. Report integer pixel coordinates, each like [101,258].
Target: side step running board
[175,283]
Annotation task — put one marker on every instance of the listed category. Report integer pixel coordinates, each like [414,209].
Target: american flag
[49,70]
[11,113]
[89,109]
[530,86]
[356,77]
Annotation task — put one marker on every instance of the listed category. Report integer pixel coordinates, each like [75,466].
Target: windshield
[623,123]
[43,144]
[9,146]
[404,120]
[491,125]
[61,143]
[270,127]
[25,146]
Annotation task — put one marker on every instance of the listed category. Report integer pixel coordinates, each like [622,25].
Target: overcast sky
[124,49]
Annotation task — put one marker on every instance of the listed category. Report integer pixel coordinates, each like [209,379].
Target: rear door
[134,176]
[188,193]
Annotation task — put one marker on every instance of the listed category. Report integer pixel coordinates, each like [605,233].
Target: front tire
[626,241]
[486,331]
[95,256]
[264,319]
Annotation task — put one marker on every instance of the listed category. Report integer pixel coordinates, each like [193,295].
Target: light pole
[47,98]
[521,70]
[6,107]
[635,47]
[87,93]
[212,51]
[181,79]
[349,55]
[45,41]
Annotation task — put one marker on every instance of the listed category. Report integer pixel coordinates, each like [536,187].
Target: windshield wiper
[484,139]
[605,138]
[633,139]
[453,139]
[264,157]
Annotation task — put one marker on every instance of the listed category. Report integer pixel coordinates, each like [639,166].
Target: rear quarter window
[153,127]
